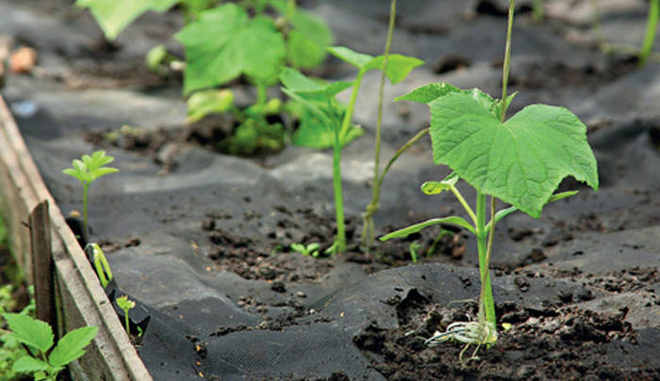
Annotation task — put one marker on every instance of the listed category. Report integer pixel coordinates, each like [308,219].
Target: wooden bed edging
[82,301]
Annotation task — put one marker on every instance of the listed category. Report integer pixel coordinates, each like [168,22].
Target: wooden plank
[42,263]
[83,302]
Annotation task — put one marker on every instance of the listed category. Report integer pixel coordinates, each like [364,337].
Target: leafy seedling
[87,170]
[126,305]
[310,250]
[42,360]
[520,161]
[329,122]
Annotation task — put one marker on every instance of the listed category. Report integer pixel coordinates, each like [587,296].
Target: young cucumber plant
[520,161]
[328,123]
[42,360]
[87,170]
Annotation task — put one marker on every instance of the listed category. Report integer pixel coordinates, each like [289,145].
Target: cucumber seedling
[87,169]
[520,161]
[328,123]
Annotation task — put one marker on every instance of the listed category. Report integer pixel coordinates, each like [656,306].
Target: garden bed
[204,239]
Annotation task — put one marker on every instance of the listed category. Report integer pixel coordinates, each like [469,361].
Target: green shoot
[651,27]
[414,246]
[87,171]
[42,360]
[372,207]
[126,305]
[100,263]
[520,161]
[310,250]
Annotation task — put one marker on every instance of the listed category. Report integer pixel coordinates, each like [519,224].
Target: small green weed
[310,250]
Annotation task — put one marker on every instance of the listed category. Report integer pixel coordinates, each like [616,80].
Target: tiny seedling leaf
[72,346]
[505,212]
[452,220]
[398,66]
[115,15]
[206,102]
[295,81]
[429,93]
[29,364]
[435,187]
[29,331]
[520,161]
[354,58]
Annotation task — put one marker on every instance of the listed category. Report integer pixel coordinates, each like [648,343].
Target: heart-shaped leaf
[114,15]
[239,46]
[520,161]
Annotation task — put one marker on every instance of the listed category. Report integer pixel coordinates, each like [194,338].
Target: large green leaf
[224,43]
[520,161]
[308,41]
[72,346]
[115,15]
[29,331]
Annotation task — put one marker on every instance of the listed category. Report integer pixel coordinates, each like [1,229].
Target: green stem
[340,136]
[261,94]
[346,122]
[651,26]
[486,304]
[126,320]
[85,224]
[507,59]
[368,229]
[537,12]
[340,240]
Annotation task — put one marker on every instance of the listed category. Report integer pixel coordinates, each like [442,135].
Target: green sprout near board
[87,169]
[42,360]
[126,305]
[328,122]
[520,161]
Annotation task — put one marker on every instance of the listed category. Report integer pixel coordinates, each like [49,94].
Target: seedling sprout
[310,250]
[126,305]
[87,170]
